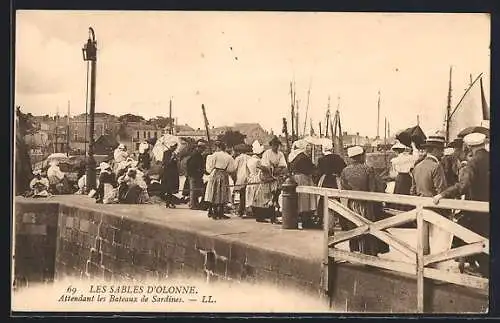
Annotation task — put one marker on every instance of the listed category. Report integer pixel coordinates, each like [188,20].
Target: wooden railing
[417,261]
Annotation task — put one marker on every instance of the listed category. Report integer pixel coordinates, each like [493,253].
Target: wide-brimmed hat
[275,141]
[355,151]
[300,144]
[435,141]
[121,146]
[475,139]
[398,145]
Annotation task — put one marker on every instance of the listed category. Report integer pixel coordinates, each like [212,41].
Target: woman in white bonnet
[302,168]
[107,183]
[256,194]
[144,158]
[39,185]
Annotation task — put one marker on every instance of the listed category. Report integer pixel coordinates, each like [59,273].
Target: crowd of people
[460,170]
[251,179]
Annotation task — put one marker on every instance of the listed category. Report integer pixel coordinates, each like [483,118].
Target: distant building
[132,134]
[252,131]
[105,145]
[350,140]
[182,128]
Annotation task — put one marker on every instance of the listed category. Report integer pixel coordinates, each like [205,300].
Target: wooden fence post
[326,249]
[422,250]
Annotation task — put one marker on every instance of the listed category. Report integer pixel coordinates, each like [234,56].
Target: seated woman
[129,191]
[106,189]
[58,181]
[39,185]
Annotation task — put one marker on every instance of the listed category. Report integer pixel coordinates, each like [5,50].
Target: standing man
[474,183]
[451,162]
[195,167]
[428,175]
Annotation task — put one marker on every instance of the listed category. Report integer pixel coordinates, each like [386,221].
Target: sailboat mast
[307,108]
[297,118]
[67,128]
[378,116]
[448,109]
[170,121]
[327,121]
[292,103]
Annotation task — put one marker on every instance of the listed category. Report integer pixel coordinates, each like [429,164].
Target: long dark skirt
[218,191]
[186,187]
[129,194]
[366,244]
[327,180]
[402,186]
[330,181]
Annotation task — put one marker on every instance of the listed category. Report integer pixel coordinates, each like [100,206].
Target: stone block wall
[103,245]
[35,242]
[56,240]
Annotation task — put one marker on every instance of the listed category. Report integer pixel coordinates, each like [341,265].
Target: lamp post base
[91,174]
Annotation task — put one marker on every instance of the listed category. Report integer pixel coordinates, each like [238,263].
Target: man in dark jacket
[474,183]
[195,169]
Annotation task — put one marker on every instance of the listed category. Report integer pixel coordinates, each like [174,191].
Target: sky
[240,64]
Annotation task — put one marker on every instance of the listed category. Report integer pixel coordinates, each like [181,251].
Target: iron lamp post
[89,52]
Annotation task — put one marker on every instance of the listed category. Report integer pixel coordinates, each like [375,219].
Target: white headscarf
[143,147]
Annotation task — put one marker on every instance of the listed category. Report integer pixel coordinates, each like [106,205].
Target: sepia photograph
[250,162]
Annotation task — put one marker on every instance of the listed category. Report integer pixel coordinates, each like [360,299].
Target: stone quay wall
[58,238]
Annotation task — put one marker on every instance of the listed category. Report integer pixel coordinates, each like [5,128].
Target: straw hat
[398,145]
[436,141]
[355,151]
[475,139]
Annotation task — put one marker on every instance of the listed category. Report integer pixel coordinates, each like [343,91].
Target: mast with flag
[467,113]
